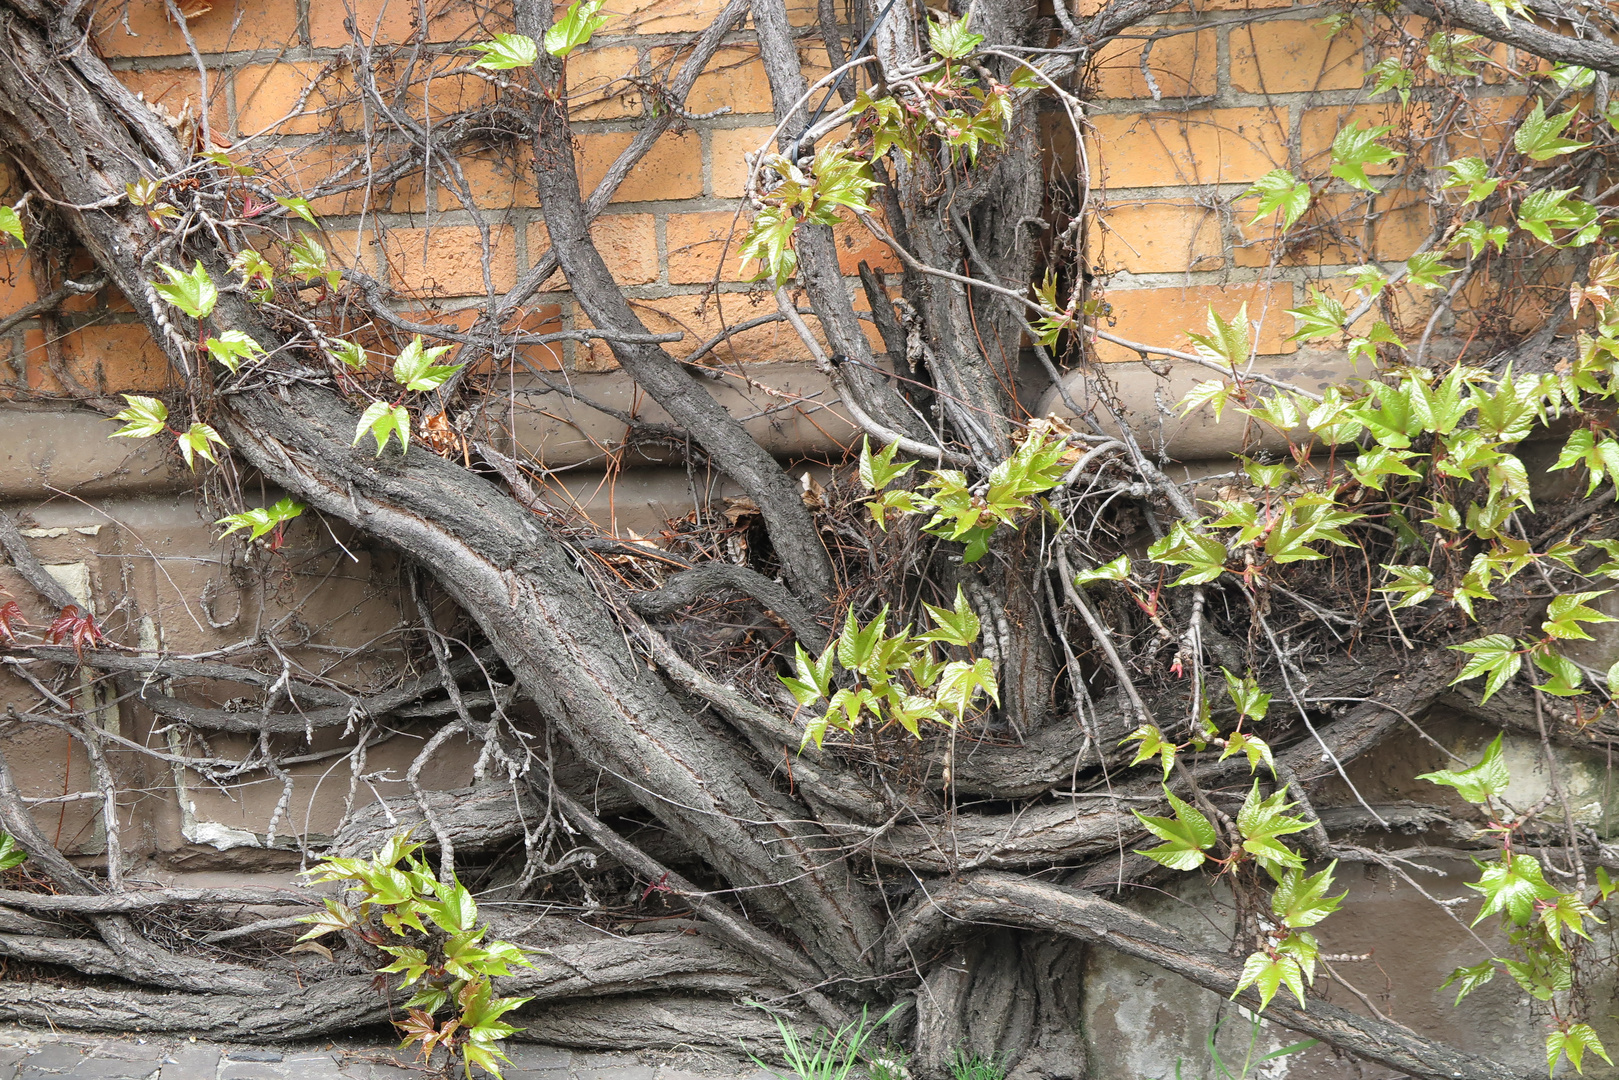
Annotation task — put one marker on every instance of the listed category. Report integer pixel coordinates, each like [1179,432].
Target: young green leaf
[952,38]
[145,417]
[1153,744]
[349,353]
[961,681]
[1540,136]
[957,627]
[11,225]
[193,293]
[197,439]
[1269,973]
[261,521]
[1565,614]
[1480,782]
[383,420]
[1511,887]
[508,51]
[878,470]
[1411,584]
[1280,190]
[308,260]
[1250,700]
[1226,342]
[1261,821]
[1301,901]
[1354,148]
[1497,655]
[1470,978]
[1187,836]
[1257,750]
[232,348]
[414,368]
[1115,570]
[1574,1042]
[11,856]
[1204,556]
[574,28]
[299,206]
[1473,174]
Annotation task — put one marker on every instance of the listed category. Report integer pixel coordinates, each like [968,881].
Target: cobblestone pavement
[34,1055]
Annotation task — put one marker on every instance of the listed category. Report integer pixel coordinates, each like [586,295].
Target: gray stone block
[618,1072]
[533,1056]
[54,1057]
[119,1068]
[191,1061]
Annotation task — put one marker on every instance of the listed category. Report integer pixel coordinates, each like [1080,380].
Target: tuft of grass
[973,1066]
[830,1055]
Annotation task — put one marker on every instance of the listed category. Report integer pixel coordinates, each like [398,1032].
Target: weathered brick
[16,281]
[393,22]
[599,86]
[728,171]
[1279,56]
[494,182]
[1157,236]
[1163,317]
[544,319]
[1403,222]
[1182,65]
[701,245]
[1331,233]
[735,78]
[272,97]
[661,16]
[1204,146]
[447,260]
[110,358]
[628,244]
[175,90]
[232,25]
[303,169]
[700,320]
[672,169]
[856,244]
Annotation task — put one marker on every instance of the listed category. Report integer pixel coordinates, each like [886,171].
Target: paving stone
[250,1070]
[253,1055]
[532,1056]
[191,1061]
[99,1068]
[54,1057]
[619,1072]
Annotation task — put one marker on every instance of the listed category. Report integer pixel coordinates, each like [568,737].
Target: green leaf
[1565,614]
[232,348]
[192,293]
[411,962]
[878,470]
[351,354]
[262,519]
[336,917]
[414,368]
[11,225]
[1257,750]
[1186,836]
[1214,392]
[1115,570]
[1301,901]
[814,679]
[1250,700]
[1570,913]
[1426,268]
[383,420]
[1261,821]
[1280,190]
[1226,342]
[1204,556]
[1482,781]
[1470,978]
[1511,887]
[508,51]
[198,439]
[307,260]
[1354,148]
[1268,973]
[144,418]
[1153,744]
[1496,655]
[1323,317]
[957,627]
[11,855]
[1574,1042]
[1392,73]
[574,28]
[299,206]
[952,38]
[1540,137]
[769,241]
[961,681]
[1473,174]
[1411,584]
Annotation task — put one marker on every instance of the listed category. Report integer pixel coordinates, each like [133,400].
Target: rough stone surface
[34,1055]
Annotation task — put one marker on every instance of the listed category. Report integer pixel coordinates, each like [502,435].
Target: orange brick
[672,169]
[448,260]
[232,25]
[1163,317]
[1278,57]
[1183,66]
[856,244]
[301,170]
[116,358]
[175,91]
[703,246]
[1205,146]
[443,95]
[1404,221]
[272,98]
[701,318]
[495,183]
[727,166]
[659,16]
[1240,5]
[393,22]
[599,86]
[1153,237]
[16,281]
[735,78]
[628,244]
